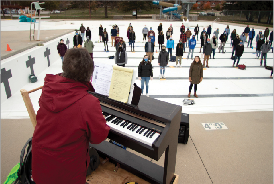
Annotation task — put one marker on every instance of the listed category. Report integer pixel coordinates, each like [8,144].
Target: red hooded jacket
[68,119]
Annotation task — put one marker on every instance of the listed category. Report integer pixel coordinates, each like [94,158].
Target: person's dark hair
[78,65]
[194,62]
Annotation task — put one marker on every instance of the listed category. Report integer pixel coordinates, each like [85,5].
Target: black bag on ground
[269,67]
[32,78]
[24,172]
[173,58]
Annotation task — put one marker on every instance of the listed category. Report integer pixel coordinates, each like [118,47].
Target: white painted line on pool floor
[214,126]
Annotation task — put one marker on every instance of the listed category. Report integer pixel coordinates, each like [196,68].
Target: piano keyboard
[132,130]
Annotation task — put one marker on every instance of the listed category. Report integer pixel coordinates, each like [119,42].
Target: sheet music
[101,78]
[120,83]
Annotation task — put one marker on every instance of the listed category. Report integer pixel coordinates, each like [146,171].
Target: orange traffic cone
[8,48]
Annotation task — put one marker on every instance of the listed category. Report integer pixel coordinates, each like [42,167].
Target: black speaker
[184,129]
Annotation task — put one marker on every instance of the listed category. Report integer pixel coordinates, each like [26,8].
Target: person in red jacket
[69,118]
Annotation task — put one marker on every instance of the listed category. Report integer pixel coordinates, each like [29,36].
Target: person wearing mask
[223,40]
[132,39]
[264,48]
[207,52]
[68,119]
[188,35]
[163,62]
[62,49]
[160,28]
[149,49]
[151,34]
[168,34]
[271,38]
[179,52]
[246,31]
[170,46]
[77,40]
[258,47]
[203,40]
[216,33]
[196,30]
[120,57]
[266,33]
[121,42]
[239,52]
[251,35]
[113,35]
[233,36]
[195,75]
[192,45]
[105,39]
[100,32]
[89,46]
[161,40]
[183,37]
[204,31]
[236,42]
[208,32]
[145,73]
[214,44]
[88,33]
[145,32]
[82,29]
[243,37]
[227,30]
[182,28]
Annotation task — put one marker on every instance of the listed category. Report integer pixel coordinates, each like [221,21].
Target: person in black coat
[145,73]
[160,28]
[100,32]
[163,61]
[203,38]
[77,40]
[239,52]
[196,30]
[179,52]
[260,42]
[88,33]
[207,52]
[132,38]
[236,42]
[161,39]
[121,42]
[105,39]
[223,39]
[121,57]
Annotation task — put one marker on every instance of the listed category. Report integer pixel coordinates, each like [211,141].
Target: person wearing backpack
[195,75]
[239,52]
[265,48]
[68,119]
[179,52]
[145,73]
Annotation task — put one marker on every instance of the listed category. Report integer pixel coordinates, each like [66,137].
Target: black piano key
[128,127]
[152,135]
[110,118]
[119,122]
[136,126]
[133,125]
[143,129]
[139,130]
[146,132]
[125,124]
[149,133]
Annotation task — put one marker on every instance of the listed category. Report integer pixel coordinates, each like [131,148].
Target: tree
[218,7]
[207,6]
[195,6]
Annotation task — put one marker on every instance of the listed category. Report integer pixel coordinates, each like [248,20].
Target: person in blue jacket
[208,32]
[170,46]
[251,35]
[113,35]
[192,45]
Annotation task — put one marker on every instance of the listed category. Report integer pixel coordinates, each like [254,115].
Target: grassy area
[98,14]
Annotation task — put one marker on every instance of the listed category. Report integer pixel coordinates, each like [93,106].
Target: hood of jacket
[59,92]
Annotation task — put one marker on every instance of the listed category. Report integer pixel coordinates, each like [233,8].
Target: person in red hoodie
[69,118]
